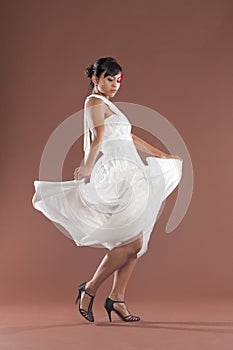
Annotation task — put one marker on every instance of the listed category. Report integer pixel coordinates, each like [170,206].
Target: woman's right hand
[82,172]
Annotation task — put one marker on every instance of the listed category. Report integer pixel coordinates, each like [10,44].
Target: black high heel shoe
[108,304]
[86,314]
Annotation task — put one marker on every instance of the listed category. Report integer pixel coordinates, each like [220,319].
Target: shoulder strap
[86,135]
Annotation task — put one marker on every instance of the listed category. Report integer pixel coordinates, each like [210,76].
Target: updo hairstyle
[105,63]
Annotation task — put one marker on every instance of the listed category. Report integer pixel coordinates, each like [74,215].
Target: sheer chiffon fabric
[123,196]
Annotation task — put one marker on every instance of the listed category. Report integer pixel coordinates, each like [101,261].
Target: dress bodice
[117,127]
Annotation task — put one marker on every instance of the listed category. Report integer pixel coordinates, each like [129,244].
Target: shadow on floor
[208,327]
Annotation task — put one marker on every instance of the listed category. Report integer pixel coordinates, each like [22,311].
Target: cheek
[104,83]
[107,83]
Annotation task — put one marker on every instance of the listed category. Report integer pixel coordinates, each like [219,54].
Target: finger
[76,171]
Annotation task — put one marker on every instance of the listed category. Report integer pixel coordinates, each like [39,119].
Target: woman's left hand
[81,172]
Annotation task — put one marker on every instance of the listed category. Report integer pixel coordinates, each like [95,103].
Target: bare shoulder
[95,101]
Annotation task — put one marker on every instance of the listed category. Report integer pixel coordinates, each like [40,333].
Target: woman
[118,197]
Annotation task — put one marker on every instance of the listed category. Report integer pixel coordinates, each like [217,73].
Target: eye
[118,81]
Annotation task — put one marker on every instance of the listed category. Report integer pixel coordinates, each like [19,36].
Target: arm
[96,117]
[146,147]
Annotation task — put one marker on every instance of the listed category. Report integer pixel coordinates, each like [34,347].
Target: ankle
[91,288]
[117,296]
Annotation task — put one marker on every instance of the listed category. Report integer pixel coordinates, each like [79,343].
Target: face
[108,85]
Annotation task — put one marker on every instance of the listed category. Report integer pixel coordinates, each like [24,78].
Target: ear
[94,79]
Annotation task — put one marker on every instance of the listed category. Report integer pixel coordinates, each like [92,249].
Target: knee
[136,246]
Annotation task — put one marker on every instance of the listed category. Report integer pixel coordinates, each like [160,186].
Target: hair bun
[89,70]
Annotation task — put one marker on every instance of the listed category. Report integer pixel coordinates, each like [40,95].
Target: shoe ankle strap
[117,301]
[89,294]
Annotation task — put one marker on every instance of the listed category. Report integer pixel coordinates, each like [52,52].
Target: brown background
[177,58]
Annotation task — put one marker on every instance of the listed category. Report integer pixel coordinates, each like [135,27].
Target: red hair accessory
[122,77]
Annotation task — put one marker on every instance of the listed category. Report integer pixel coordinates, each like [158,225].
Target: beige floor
[166,324]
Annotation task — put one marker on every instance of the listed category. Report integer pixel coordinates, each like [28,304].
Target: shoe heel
[109,315]
[108,307]
[78,296]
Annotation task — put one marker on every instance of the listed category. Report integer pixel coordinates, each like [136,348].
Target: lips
[113,90]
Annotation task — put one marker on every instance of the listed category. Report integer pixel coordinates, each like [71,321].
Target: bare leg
[120,281]
[112,261]
[121,278]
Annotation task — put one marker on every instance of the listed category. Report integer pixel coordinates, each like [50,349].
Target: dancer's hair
[104,63]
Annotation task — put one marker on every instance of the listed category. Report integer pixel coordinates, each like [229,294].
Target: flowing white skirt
[121,200]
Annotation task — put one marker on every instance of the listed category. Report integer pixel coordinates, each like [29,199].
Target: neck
[97,92]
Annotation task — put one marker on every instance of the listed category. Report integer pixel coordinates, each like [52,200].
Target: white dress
[123,196]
